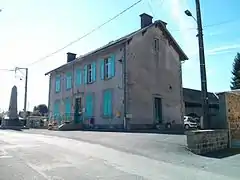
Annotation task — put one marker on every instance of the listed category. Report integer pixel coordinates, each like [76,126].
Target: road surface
[113,156]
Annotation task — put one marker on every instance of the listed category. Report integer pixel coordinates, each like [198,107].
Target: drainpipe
[125,86]
[73,86]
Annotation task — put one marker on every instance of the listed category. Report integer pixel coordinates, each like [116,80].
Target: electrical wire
[210,25]
[108,21]
[7,69]
[87,34]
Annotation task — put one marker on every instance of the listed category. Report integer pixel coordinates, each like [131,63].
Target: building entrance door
[158,109]
[78,109]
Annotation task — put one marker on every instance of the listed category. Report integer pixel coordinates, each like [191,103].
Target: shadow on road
[153,131]
[223,153]
[13,129]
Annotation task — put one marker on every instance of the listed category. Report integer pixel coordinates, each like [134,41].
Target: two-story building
[133,82]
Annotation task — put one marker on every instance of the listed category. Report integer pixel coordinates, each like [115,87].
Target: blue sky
[31,29]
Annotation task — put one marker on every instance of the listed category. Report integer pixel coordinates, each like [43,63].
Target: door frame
[153,105]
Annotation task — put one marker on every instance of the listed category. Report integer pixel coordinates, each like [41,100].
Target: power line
[210,25]
[87,34]
[7,69]
[151,8]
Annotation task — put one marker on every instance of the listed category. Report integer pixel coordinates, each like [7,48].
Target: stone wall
[204,141]
[233,117]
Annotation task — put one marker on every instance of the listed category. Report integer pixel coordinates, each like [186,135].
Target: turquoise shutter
[112,65]
[56,110]
[57,84]
[89,105]
[68,108]
[109,102]
[105,105]
[94,71]
[85,74]
[78,77]
[102,69]
[68,80]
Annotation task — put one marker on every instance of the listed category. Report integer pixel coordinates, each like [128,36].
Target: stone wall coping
[192,132]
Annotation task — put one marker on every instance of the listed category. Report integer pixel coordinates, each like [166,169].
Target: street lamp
[202,64]
[188,13]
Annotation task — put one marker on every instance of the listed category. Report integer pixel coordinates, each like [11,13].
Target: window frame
[156,44]
[89,73]
[68,81]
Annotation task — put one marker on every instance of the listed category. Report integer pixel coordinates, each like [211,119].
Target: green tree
[235,83]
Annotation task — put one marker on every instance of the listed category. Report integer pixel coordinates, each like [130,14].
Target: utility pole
[202,68]
[25,93]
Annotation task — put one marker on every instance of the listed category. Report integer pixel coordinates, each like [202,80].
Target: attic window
[156,44]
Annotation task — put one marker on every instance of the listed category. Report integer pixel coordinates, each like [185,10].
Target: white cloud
[222,49]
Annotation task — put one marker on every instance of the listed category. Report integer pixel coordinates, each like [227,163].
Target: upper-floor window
[68,80]
[58,83]
[78,77]
[90,73]
[107,66]
[156,44]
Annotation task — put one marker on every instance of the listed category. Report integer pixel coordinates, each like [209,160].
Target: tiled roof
[123,39]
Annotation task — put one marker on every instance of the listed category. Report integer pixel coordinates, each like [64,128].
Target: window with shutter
[68,81]
[107,66]
[90,73]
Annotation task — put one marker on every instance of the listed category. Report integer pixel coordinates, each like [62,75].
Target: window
[107,67]
[58,84]
[90,73]
[156,44]
[78,77]
[89,105]
[68,81]
[107,103]
[68,109]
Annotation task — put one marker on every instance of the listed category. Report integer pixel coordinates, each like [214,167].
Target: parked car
[196,118]
[189,122]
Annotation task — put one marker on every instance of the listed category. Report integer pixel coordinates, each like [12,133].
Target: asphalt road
[53,155]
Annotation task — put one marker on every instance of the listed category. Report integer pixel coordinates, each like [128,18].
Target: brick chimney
[146,20]
[70,57]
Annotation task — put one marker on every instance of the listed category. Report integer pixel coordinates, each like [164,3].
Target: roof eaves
[183,56]
[117,42]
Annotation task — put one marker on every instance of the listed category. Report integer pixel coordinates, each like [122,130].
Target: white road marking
[129,163]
